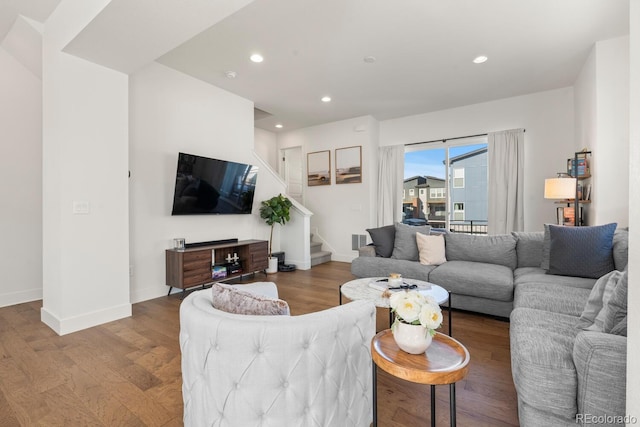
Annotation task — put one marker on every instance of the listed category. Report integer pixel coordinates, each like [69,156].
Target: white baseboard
[150,292]
[84,321]
[13,298]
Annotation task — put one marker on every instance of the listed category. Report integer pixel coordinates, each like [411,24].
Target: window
[412,192]
[436,193]
[422,192]
[458,178]
[458,211]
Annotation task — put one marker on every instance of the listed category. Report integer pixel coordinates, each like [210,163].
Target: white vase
[413,339]
[273,265]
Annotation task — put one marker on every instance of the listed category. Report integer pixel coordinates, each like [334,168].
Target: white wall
[266,146]
[602,126]
[633,342]
[20,182]
[85,137]
[339,210]
[611,147]
[546,116]
[171,112]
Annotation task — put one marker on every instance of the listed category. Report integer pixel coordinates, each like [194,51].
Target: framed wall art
[349,165]
[319,168]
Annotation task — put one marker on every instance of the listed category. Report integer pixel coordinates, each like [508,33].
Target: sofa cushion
[477,279]
[431,249]
[551,297]
[383,238]
[581,251]
[382,267]
[592,317]
[404,245]
[529,248]
[542,360]
[499,249]
[538,275]
[234,300]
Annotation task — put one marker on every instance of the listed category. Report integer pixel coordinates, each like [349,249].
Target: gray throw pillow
[621,248]
[581,251]
[591,317]
[620,328]
[546,248]
[405,245]
[616,307]
[383,238]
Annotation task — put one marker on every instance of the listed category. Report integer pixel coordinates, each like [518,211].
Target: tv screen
[212,186]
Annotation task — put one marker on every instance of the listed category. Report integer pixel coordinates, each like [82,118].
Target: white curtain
[506,186]
[390,179]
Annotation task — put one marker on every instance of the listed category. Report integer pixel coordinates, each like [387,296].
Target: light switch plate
[80,208]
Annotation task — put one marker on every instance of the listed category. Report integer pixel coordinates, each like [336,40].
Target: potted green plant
[275,211]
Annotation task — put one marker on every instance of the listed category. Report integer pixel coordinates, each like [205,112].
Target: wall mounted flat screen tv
[212,186]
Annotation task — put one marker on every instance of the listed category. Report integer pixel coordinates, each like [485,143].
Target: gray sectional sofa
[568,369]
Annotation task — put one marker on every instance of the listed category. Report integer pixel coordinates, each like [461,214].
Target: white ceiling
[38,10]
[423,50]
[312,48]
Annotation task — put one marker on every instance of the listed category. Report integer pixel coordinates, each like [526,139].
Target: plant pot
[414,339]
[273,265]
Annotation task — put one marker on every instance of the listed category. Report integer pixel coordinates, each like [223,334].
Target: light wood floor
[127,373]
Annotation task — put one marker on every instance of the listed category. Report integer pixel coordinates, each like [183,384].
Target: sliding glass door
[445,184]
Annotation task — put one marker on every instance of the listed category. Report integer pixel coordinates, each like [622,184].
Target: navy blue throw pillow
[581,251]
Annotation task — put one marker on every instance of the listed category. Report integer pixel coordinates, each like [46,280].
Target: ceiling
[423,49]
[37,10]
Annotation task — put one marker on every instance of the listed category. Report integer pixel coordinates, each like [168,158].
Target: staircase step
[315,247]
[320,257]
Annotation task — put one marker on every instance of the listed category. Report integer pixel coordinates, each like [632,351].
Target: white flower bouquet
[414,308]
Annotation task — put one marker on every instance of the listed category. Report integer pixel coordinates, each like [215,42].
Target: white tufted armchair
[299,371]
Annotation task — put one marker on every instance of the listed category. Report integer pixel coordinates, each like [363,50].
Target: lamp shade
[560,188]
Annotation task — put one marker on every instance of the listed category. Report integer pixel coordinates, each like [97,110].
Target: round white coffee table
[362,289]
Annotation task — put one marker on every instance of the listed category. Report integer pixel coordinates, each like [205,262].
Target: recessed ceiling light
[279,126]
[256,57]
[326,99]
[231,74]
[369,59]
[480,59]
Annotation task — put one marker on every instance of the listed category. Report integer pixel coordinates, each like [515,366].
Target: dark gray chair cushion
[499,249]
[581,251]
[383,238]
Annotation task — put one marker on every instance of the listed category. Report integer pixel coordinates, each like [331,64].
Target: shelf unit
[187,268]
[573,169]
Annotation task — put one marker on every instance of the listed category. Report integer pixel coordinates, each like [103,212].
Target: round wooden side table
[446,361]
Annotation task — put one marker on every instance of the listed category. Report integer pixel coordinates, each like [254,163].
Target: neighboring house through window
[458,178]
[458,211]
[436,193]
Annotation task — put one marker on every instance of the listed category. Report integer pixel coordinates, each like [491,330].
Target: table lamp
[562,187]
